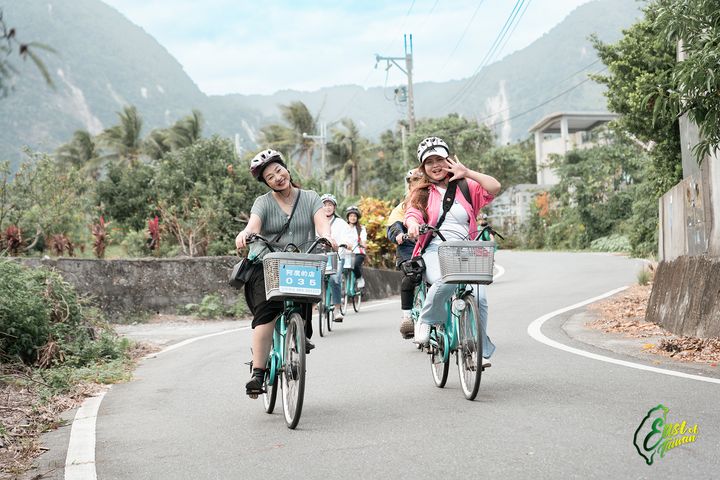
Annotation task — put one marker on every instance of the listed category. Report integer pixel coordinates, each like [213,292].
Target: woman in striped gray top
[268,216]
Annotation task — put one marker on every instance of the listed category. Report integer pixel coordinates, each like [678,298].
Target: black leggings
[407,292]
[266,311]
[357,264]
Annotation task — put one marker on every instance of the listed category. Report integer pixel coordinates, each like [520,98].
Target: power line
[467,27]
[503,31]
[559,82]
[545,102]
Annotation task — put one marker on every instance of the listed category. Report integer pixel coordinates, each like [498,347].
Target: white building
[512,208]
[561,132]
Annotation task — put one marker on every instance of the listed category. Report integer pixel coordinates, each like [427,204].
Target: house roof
[577,121]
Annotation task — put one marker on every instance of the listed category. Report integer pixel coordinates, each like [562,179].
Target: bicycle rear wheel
[293,370]
[438,362]
[356,301]
[469,352]
[347,278]
[330,317]
[418,302]
[270,394]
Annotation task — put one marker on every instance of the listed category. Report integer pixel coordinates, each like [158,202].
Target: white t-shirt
[456,225]
[351,238]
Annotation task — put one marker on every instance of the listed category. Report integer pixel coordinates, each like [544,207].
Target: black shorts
[265,311]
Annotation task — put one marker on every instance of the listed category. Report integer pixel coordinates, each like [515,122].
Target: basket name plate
[300,279]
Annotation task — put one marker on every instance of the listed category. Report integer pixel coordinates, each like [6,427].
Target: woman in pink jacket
[460,222]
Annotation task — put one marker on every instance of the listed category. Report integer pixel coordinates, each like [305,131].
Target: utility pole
[323,141]
[408,72]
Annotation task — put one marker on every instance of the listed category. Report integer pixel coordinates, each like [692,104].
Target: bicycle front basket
[467,261]
[294,276]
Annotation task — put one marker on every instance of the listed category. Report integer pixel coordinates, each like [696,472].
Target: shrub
[611,243]
[44,322]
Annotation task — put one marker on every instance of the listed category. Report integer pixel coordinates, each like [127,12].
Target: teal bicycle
[463,263]
[294,278]
[351,293]
[326,309]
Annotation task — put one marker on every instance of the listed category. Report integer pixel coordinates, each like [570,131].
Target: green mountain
[105,62]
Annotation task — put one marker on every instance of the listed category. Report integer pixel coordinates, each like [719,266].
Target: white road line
[534,330]
[193,340]
[501,271]
[80,459]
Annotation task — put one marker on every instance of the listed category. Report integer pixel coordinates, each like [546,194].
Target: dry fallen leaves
[625,314]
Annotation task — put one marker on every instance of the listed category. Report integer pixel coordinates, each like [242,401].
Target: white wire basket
[331,267]
[467,261]
[294,276]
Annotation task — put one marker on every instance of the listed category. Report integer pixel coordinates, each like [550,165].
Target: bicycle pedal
[486,365]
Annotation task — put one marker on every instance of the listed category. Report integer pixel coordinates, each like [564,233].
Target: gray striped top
[301,230]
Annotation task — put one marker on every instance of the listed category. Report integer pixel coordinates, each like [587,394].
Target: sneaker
[308,346]
[422,333]
[338,317]
[407,328]
[360,282]
[254,387]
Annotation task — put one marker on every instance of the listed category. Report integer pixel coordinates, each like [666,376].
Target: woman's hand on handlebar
[413,230]
[242,238]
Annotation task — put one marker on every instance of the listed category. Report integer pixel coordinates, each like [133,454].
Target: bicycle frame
[449,331]
[276,357]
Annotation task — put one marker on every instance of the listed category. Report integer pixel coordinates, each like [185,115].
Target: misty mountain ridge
[106,62]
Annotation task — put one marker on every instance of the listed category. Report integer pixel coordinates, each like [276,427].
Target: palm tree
[156,144]
[346,151]
[81,152]
[186,131]
[301,121]
[124,140]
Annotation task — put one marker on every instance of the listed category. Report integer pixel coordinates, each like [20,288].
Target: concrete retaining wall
[164,285]
[685,295]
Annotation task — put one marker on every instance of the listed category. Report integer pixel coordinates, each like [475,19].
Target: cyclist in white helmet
[395,233]
[338,230]
[474,191]
[356,241]
[268,217]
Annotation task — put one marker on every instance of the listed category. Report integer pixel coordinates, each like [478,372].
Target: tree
[9,46]
[301,121]
[511,164]
[695,23]
[125,139]
[468,140]
[347,150]
[185,131]
[639,86]
[81,152]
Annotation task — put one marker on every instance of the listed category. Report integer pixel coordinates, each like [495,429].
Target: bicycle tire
[418,302]
[293,370]
[469,352]
[438,366]
[330,318]
[270,395]
[321,318]
[356,301]
[347,277]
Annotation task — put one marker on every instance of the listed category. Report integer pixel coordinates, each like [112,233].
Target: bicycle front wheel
[321,318]
[347,278]
[293,370]
[469,352]
[357,300]
[270,394]
[439,362]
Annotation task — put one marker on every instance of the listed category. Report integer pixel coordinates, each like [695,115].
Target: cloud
[231,46]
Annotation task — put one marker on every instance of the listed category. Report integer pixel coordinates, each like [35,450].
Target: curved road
[371,409]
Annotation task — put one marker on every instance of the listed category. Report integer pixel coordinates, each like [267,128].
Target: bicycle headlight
[458,305]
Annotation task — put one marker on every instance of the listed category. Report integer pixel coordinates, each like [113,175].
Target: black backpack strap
[465,189]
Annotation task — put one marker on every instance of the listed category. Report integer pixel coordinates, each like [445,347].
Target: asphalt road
[372,411]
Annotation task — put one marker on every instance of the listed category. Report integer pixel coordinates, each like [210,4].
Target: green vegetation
[212,306]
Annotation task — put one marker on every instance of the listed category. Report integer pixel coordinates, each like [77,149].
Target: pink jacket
[480,198]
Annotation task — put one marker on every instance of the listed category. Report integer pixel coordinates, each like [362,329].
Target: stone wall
[685,295]
[164,285]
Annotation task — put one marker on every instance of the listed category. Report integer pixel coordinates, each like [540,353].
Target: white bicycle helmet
[352,209]
[262,160]
[328,197]
[432,146]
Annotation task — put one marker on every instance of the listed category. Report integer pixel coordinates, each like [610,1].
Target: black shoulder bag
[240,273]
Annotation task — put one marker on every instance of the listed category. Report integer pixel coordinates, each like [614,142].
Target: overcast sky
[261,46]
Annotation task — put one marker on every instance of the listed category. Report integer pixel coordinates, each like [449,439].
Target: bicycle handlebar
[255,237]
